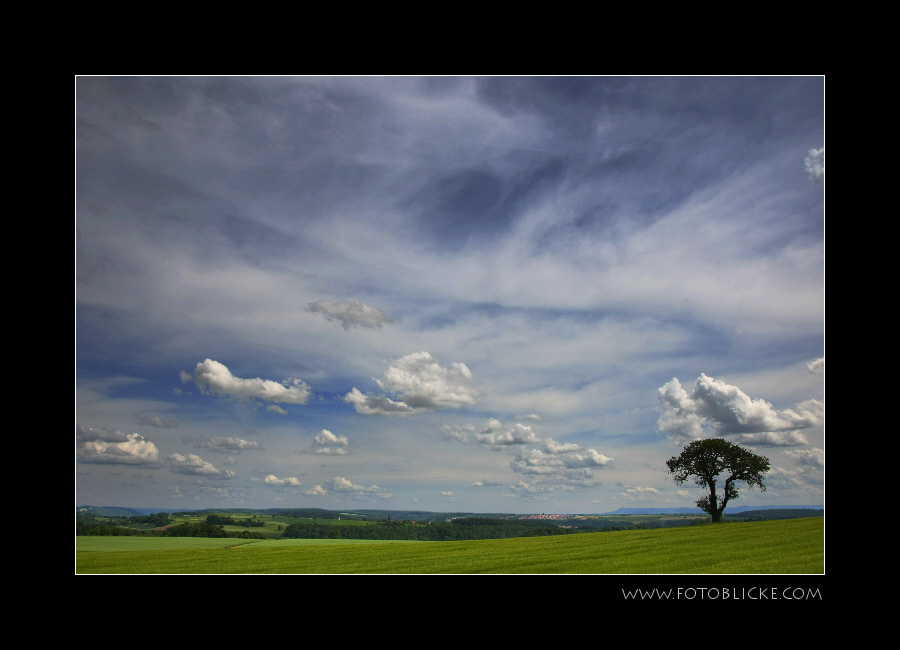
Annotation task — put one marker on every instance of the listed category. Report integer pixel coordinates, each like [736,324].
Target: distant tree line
[158,519]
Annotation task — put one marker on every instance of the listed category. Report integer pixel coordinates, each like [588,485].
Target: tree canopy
[706,460]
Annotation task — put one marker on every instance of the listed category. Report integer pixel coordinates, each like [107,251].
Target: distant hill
[730,510]
[113,511]
[419,515]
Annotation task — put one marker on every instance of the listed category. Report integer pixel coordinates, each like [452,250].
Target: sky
[478,294]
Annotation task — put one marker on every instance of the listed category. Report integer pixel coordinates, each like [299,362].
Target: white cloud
[495,436]
[774,439]
[213,377]
[553,447]
[818,365]
[458,432]
[812,457]
[572,465]
[552,466]
[192,464]
[815,164]
[589,458]
[227,444]
[783,478]
[289,481]
[370,404]
[639,492]
[114,447]
[345,486]
[714,408]
[422,385]
[350,313]
[328,444]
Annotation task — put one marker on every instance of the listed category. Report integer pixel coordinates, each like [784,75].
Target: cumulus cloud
[350,313]
[588,458]
[104,446]
[566,467]
[458,432]
[213,377]
[227,444]
[345,486]
[492,434]
[193,465]
[422,384]
[818,365]
[791,479]
[773,439]
[316,490]
[639,492]
[371,404]
[289,481]
[811,457]
[328,444]
[549,464]
[815,164]
[495,435]
[552,447]
[714,408]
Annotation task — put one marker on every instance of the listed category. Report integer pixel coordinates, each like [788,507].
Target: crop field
[795,546]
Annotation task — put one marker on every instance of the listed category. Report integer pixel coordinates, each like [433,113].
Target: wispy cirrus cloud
[350,313]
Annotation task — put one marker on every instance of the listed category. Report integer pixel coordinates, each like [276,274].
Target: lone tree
[707,459]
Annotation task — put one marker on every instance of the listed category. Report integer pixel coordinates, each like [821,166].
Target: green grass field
[795,546]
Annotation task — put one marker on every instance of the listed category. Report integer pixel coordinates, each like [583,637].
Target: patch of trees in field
[206,529]
[90,524]
[118,527]
[251,522]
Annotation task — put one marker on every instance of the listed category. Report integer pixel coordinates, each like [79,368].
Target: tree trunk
[715,512]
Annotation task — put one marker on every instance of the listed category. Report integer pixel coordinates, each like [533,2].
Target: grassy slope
[794,546]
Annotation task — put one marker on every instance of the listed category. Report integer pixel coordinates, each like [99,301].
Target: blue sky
[487,294]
